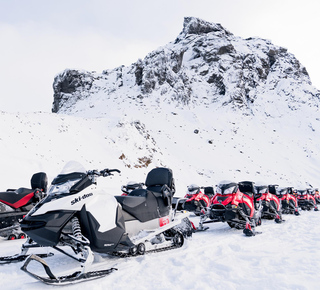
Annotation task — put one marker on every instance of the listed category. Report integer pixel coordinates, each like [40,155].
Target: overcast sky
[40,38]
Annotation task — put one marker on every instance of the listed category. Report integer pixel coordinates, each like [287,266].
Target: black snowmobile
[141,222]
[15,204]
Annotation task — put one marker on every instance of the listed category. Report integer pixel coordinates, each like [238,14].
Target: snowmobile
[15,204]
[196,201]
[305,200]
[271,206]
[288,200]
[317,195]
[235,204]
[102,223]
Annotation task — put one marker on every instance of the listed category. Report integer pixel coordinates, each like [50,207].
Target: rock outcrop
[205,64]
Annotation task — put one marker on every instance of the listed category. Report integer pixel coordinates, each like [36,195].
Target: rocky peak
[193,25]
[206,64]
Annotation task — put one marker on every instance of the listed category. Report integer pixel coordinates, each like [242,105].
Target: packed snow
[284,256]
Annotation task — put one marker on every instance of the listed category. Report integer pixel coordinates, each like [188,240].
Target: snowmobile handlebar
[104,172]
[107,172]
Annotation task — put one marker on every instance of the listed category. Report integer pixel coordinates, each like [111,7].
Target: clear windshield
[71,173]
[73,166]
[223,188]
[262,190]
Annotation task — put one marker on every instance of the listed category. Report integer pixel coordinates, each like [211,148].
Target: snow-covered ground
[284,256]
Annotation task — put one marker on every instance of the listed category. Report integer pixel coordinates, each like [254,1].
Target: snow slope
[284,256]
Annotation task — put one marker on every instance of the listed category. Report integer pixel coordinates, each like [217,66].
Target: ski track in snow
[284,256]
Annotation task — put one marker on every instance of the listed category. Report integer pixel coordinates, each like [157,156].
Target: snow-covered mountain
[210,105]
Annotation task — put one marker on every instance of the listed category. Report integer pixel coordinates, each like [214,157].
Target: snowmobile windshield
[301,192]
[226,188]
[283,190]
[193,189]
[72,173]
[262,189]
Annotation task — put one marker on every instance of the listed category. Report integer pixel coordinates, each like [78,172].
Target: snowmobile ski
[20,258]
[76,277]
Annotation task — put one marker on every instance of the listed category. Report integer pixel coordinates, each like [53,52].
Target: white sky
[40,38]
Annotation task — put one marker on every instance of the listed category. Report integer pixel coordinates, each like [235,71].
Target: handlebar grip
[114,170]
[107,172]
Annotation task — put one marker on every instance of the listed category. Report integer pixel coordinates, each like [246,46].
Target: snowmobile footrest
[76,277]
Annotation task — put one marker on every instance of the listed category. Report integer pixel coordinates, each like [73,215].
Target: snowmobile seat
[16,199]
[154,201]
[272,189]
[160,181]
[138,192]
[209,191]
[143,207]
[158,177]
[247,188]
[39,181]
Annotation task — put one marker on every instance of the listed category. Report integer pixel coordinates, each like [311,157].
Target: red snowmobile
[15,204]
[289,202]
[234,203]
[271,207]
[317,195]
[305,200]
[197,201]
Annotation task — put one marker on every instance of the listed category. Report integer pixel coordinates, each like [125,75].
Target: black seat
[143,208]
[272,188]
[154,201]
[39,181]
[247,187]
[158,177]
[209,191]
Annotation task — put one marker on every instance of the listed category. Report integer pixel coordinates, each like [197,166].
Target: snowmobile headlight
[61,188]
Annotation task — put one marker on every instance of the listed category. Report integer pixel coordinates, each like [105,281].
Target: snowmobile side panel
[106,241]
[45,229]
